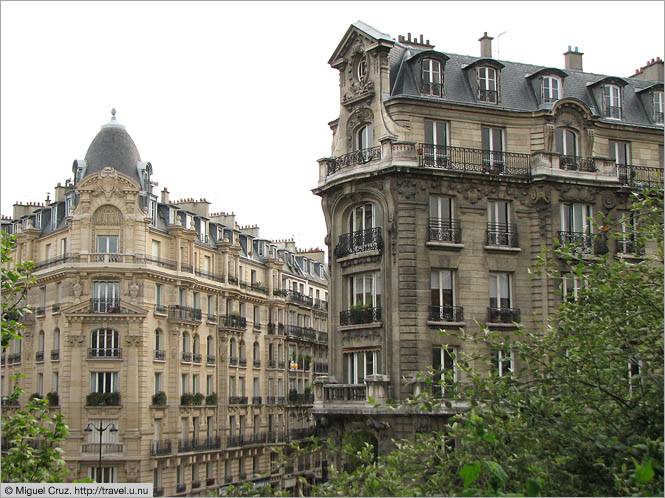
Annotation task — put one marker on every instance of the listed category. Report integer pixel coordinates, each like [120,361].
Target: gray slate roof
[115,148]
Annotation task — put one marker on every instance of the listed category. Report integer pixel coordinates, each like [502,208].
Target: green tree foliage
[32,434]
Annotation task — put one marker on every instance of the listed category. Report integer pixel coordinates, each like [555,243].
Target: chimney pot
[421,42]
[409,35]
[573,60]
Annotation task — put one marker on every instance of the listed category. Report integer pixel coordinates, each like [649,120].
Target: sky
[230,101]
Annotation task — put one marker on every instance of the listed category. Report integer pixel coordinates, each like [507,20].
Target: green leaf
[644,473]
[532,487]
[469,473]
[497,471]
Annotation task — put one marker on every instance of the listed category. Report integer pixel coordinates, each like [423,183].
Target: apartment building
[447,175]
[180,346]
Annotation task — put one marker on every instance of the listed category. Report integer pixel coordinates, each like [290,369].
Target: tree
[583,416]
[32,434]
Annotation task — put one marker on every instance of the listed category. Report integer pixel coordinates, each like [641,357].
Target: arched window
[40,342]
[365,137]
[197,346]
[364,217]
[567,144]
[185,342]
[105,343]
[55,352]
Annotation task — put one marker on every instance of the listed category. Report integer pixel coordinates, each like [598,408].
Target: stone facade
[136,297]
[438,197]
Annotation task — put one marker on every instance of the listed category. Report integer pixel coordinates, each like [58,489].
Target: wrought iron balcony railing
[14,358]
[503,315]
[209,275]
[257,400]
[362,156]
[211,318]
[105,353]
[628,243]
[511,164]
[297,297]
[107,448]
[105,305]
[186,356]
[55,308]
[184,314]
[232,322]
[233,360]
[242,362]
[360,315]
[196,357]
[186,268]
[640,176]
[490,96]
[321,304]
[164,263]
[301,398]
[320,367]
[210,359]
[40,312]
[161,447]
[298,332]
[323,337]
[160,354]
[55,354]
[502,234]
[39,356]
[237,400]
[160,309]
[577,163]
[612,111]
[433,89]
[359,242]
[445,230]
[302,433]
[583,242]
[180,488]
[446,313]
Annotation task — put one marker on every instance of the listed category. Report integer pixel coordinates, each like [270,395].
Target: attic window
[432,79]
[487,85]
[612,101]
[551,89]
[658,107]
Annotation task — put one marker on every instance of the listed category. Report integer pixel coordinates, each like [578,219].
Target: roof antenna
[498,45]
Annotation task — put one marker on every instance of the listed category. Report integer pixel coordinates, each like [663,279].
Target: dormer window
[551,89]
[658,107]
[432,78]
[54,217]
[612,101]
[487,85]
[38,220]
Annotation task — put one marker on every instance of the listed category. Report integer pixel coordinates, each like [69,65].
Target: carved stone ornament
[609,200]
[540,195]
[133,340]
[75,340]
[131,471]
[407,188]
[107,215]
[77,288]
[575,193]
[135,289]
[359,116]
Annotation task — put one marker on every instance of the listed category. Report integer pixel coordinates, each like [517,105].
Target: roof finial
[113,113]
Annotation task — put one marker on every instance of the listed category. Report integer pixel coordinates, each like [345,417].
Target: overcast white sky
[230,100]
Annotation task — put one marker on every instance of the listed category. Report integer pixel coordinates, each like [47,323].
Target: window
[612,102]
[500,231]
[256,389]
[156,250]
[435,149]
[232,386]
[445,368]
[106,297]
[442,225]
[159,341]
[492,153]
[107,244]
[184,384]
[503,362]
[576,226]
[195,301]
[210,346]
[54,218]
[104,343]
[570,288]
[360,364]
[443,296]
[487,86]
[628,240]
[432,78]
[256,352]
[56,340]
[103,382]
[40,384]
[182,297]
[180,476]
[619,152]
[63,247]
[658,107]
[365,140]
[195,384]
[40,343]
[158,382]
[500,293]
[157,478]
[566,142]
[361,69]
[185,342]
[103,474]
[257,317]
[47,252]
[363,218]
[634,371]
[55,381]
[365,290]
[210,386]
[551,88]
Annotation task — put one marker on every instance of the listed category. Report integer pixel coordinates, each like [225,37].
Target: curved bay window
[364,299]
[104,343]
[364,232]
[432,78]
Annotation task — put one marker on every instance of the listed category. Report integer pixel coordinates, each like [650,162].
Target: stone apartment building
[191,339]
[447,175]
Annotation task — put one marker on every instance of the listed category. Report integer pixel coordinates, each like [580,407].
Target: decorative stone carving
[135,289]
[75,340]
[131,471]
[107,215]
[407,188]
[576,193]
[359,116]
[133,340]
[609,200]
[77,288]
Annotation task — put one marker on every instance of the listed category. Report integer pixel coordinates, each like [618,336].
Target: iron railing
[446,313]
[323,337]
[55,354]
[196,357]
[55,261]
[640,176]
[237,400]
[105,305]
[211,318]
[55,308]
[186,268]
[210,359]
[433,89]
[160,309]
[577,163]
[361,156]
[160,354]
[583,242]
[360,315]
[296,398]
[186,356]
[39,356]
[105,353]
[199,444]
[490,96]
[184,314]
[232,322]
[502,234]
[445,230]
[298,332]
[105,447]
[503,315]
[359,242]
[297,297]
[464,159]
[320,367]
[210,275]
[612,111]
[164,263]
[629,243]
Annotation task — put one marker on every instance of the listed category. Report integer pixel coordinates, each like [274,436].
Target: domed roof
[115,148]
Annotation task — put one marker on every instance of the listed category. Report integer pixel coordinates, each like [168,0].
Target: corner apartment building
[447,175]
[193,337]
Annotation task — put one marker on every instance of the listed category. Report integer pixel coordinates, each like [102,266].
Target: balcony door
[105,296]
[575,218]
[365,137]
[436,142]
[499,230]
[363,218]
[360,364]
[493,148]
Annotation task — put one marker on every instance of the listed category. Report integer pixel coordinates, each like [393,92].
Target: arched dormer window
[104,343]
[612,101]
[431,78]
[488,86]
[551,88]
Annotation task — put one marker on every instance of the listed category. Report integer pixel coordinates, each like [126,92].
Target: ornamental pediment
[103,309]
[108,182]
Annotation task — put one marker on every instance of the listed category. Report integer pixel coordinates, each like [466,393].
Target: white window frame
[375,294]
[447,360]
[570,218]
[365,137]
[106,381]
[361,69]
[612,98]
[502,359]
[487,81]
[108,474]
[354,360]
[104,245]
[432,75]
[438,277]
[658,104]
[498,281]
[551,88]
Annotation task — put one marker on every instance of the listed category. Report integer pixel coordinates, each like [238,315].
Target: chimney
[165,196]
[21,209]
[573,59]
[60,193]
[485,45]
[653,71]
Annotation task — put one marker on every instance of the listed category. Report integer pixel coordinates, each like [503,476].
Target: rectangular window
[500,292]
[442,226]
[435,150]
[103,382]
[493,148]
[47,252]
[432,79]
[360,364]
[551,86]
[487,87]
[442,296]
[503,362]
[612,101]
[658,107]
[444,364]
[256,391]
[184,384]
[500,230]
[365,290]
[55,381]
[577,226]
[158,294]
[158,382]
[103,474]
[180,475]
[54,218]
[195,301]
[570,287]
[156,250]
[63,247]
[106,297]
[206,264]
[210,386]
[40,384]
[195,384]
[107,244]
[620,152]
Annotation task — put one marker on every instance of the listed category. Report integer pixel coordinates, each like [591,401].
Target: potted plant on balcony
[186,399]
[36,396]
[159,399]
[197,399]
[94,399]
[211,399]
[53,398]
[359,313]
[112,399]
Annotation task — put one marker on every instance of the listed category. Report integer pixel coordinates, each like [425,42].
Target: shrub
[53,398]
[211,399]
[159,399]
[197,399]
[186,399]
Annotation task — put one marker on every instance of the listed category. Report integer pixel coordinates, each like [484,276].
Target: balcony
[211,318]
[446,313]
[433,89]
[55,355]
[360,315]
[210,359]
[502,234]
[612,111]
[196,357]
[40,312]
[503,315]
[257,287]
[628,244]
[242,362]
[39,356]
[199,444]
[257,400]
[103,399]
[445,230]
[297,297]
[107,448]
[298,332]
[160,355]
[184,314]
[164,263]
[296,398]
[345,392]
[187,356]
[186,268]
[180,488]
[577,163]
[640,176]
[105,305]
[104,353]
[233,360]
[161,447]
[321,304]
[296,434]
[464,159]
[256,363]
[160,309]
[359,242]
[55,309]
[13,359]
[54,261]
[209,275]
[237,400]
[196,484]
[235,322]
[582,243]
[362,156]
[323,338]
[320,367]
[210,481]
[490,96]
